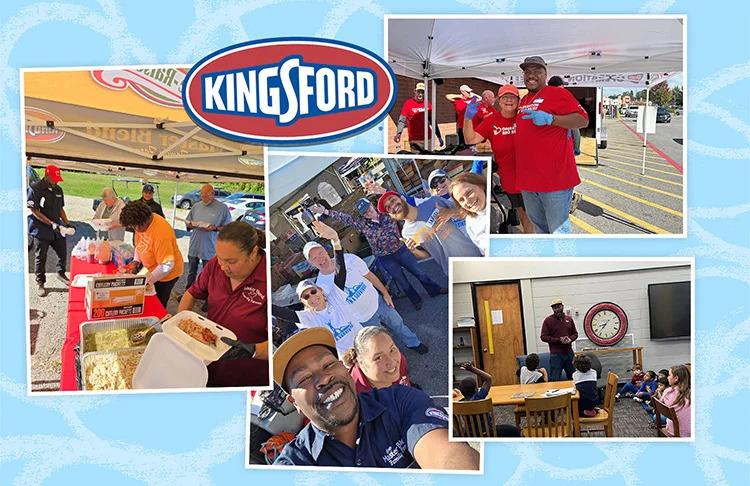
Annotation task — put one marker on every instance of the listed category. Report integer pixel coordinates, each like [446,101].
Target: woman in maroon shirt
[374,361]
[233,283]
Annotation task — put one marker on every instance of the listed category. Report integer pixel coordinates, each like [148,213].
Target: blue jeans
[558,363]
[193,270]
[549,211]
[628,388]
[402,258]
[390,318]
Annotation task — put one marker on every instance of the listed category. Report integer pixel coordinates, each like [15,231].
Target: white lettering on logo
[289,91]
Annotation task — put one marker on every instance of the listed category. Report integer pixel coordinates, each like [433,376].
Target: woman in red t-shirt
[500,130]
[374,361]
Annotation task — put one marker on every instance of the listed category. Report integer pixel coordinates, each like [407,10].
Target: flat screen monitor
[669,310]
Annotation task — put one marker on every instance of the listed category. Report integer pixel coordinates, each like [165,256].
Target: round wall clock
[605,324]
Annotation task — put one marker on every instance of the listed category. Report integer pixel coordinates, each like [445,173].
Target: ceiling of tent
[493,48]
[128,122]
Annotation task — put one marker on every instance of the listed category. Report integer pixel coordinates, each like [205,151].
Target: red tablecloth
[77,315]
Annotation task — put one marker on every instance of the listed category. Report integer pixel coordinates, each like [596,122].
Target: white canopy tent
[622,51]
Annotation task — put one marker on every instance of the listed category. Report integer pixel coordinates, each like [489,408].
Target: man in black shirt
[147,197]
[47,222]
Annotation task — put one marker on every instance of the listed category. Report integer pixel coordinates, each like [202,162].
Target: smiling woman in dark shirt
[233,283]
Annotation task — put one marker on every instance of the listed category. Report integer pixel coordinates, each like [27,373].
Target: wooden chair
[548,417]
[604,419]
[661,410]
[473,419]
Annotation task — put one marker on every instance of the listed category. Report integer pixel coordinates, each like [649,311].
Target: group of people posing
[232,281]
[532,140]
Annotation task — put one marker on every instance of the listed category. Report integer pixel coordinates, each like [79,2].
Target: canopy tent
[587,51]
[127,121]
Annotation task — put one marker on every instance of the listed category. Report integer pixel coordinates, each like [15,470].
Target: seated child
[531,373]
[648,387]
[630,389]
[663,373]
[585,380]
[468,388]
[661,385]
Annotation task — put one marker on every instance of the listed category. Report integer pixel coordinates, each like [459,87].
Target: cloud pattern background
[199,439]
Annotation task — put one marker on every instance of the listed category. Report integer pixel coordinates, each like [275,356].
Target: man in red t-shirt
[459,104]
[412,117]
[547,171]
[486,108]
[499,128]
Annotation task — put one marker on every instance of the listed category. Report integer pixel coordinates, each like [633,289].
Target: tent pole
[426,112]
[174,201]
[645,132]
[433,117]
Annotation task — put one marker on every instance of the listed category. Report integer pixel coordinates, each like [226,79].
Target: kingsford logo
[289,91]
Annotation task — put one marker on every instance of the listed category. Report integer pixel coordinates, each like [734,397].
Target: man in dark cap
[147,197]
[394,427]
[48,225]
[559,331]
[546,166]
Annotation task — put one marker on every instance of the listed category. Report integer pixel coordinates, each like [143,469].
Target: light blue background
[199,438]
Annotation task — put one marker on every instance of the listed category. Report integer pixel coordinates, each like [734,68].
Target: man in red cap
[412,117]
[47,220]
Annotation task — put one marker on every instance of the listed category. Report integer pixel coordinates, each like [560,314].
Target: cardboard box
[113,296]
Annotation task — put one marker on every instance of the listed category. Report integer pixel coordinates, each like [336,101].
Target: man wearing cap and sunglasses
[393,427]
[546,166]
[459,104]
[412,117]
[559,331]
[384,237]
[48,225]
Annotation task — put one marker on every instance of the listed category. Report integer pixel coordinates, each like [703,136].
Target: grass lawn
[90,185]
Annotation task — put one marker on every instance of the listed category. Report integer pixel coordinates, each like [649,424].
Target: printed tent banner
[588,52]
[130,121]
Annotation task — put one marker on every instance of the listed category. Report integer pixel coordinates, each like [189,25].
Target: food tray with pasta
[200,335]
[113,334]
[110,370]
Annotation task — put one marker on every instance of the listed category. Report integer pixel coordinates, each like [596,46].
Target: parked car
[256,219]
[186,201]
[662,115]
[631,112]
[243,195]
[240,207]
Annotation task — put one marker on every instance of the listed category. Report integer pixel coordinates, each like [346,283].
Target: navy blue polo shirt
[391,422]
[49,200]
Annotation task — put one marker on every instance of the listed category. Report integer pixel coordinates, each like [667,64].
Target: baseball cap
[309,246]
[556,81]
[148,188]
[419,86]
[384,198]
[556,302]
[304,285]
[363,205]
[533,60]
[53,172]
[303,339]
[508,89]
[465,87]
[435,173]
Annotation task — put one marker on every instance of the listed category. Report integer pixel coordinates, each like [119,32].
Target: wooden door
[500,343]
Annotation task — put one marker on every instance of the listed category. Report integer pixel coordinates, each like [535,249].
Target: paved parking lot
[617,199]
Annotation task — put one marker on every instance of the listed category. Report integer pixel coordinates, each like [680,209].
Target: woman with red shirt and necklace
[233,284]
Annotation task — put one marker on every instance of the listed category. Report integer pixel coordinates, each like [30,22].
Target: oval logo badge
[291,90]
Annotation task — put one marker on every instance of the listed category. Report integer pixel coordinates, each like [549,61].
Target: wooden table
[503,395]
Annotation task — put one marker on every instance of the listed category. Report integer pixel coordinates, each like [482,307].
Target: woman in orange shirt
[155,247]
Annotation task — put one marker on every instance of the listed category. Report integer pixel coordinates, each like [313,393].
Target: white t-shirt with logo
[337,317]
[359,292]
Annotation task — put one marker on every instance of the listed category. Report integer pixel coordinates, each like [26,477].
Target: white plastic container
[203,351]
[168,364]
[102,224]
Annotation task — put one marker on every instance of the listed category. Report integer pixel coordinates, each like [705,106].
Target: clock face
[605,324]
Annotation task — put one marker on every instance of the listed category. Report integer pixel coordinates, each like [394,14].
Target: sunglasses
[307,295]
[436,181]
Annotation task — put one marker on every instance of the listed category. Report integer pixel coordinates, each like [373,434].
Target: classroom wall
[628,289]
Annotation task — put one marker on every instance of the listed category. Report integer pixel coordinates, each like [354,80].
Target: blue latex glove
[440,140]
[538,117]
[471,110]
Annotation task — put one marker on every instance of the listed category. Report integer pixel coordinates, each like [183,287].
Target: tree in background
[660,95]
[677,95]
